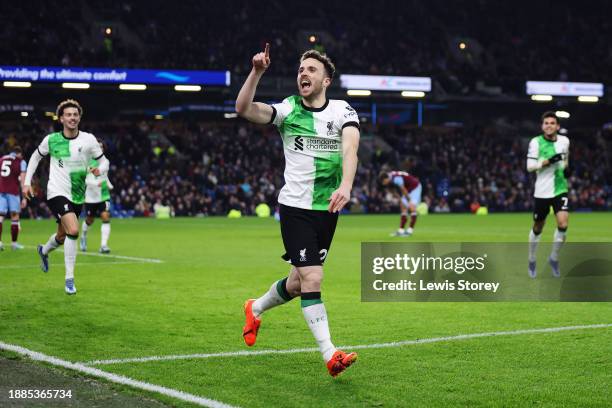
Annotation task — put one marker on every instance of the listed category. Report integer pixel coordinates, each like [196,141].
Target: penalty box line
[128,258]
[357,347]
[115,378]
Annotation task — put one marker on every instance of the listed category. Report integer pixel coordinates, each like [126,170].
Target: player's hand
[339,199]
[406,201]
[261,60]
[24,203]
[95,171]
[27,192]
[556,158]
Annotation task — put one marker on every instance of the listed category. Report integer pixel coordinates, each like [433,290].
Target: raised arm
[350,144]
[256,112]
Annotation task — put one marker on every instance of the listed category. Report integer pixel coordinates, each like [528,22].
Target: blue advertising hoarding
[114,75]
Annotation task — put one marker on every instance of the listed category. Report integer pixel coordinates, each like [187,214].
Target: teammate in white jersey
[548,156]
[97,204]
[71,152]
[320,140]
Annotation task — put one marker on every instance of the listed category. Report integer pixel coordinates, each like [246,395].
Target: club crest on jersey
[330,128]
[298,143]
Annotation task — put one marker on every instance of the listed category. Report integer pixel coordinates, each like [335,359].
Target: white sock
[50,245]
[84,229]
[275,296]
[558,240]
[316,317]
[105,230]
[70,253]
[533,245]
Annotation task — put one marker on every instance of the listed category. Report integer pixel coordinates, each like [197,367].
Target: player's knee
[562,226]
[294,291]
[73,232]
[310,279]
[293,287]
[538,226]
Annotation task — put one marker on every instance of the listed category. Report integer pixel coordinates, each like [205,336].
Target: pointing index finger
[267,50]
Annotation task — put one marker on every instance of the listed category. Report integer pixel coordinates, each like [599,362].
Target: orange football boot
[251,325]
[339,362]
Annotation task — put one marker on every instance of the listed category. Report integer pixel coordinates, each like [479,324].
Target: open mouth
[305,84]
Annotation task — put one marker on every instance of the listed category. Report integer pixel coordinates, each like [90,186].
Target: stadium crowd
[382,37]
[208,168]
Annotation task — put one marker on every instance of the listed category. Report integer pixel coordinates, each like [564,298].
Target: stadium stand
[208,168]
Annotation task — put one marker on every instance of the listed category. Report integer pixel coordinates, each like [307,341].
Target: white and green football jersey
[98,187]
[550,181]
[312,141]
[70,159]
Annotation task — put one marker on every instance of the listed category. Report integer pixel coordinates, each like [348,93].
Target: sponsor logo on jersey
[298,143]
[322,145]
[351,113]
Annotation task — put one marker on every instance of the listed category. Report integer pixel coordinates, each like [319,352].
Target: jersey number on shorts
[6,168]
[66,207]
[323,253]
[564,201]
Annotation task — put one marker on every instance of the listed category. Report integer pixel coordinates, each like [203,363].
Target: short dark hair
[17,150]
[383,176]
[68,103]
[550,114]
[330,68]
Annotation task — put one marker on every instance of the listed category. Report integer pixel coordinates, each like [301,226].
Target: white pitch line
[37,266]
[361,346]
[119,379]
[130,258]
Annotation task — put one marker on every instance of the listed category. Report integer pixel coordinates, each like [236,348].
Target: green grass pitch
[192,303]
